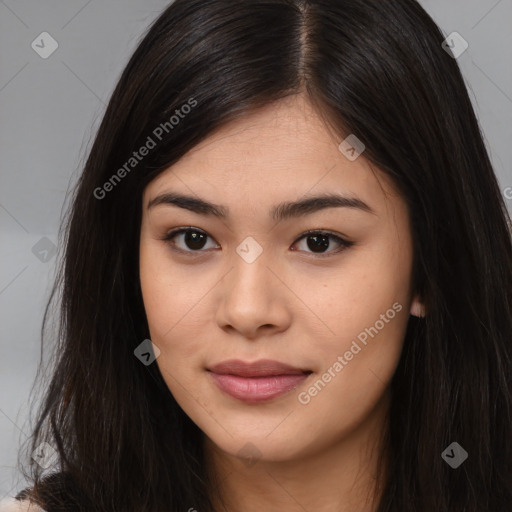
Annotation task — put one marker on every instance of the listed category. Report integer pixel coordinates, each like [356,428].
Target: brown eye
[194,239]
[319,241]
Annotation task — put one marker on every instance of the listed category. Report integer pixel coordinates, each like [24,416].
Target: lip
[258,381]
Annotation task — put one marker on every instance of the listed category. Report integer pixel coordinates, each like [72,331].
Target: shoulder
[14,505]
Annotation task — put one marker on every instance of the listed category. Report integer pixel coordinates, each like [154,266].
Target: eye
[194,239]
[317,241]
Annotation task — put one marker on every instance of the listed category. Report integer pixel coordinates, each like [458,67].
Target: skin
[291,305]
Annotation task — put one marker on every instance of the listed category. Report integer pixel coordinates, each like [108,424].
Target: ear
[417,307]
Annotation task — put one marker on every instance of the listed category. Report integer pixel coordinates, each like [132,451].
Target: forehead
[286,132]
[282,149]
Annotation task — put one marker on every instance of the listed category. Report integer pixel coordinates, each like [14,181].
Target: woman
[287,280]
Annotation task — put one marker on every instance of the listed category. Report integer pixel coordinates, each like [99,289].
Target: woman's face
[250,286]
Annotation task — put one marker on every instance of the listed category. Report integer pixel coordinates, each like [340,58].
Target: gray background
[51,107]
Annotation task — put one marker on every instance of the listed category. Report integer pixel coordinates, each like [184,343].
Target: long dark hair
[372,68]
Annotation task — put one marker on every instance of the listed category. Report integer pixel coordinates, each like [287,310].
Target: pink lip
[258,381]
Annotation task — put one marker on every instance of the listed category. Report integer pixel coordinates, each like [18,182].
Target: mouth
[258,381]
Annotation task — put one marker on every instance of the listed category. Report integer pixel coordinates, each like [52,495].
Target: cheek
[175,305]
[346,301]
[357,366]
[157,301]
[363,314]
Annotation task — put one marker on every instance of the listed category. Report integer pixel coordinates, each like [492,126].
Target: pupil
[194,240]
[320,242]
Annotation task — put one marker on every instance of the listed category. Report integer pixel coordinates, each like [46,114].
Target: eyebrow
[281,211]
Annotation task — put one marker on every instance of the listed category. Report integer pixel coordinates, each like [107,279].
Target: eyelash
[344,244]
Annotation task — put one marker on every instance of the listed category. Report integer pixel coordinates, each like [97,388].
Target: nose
[254,300]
